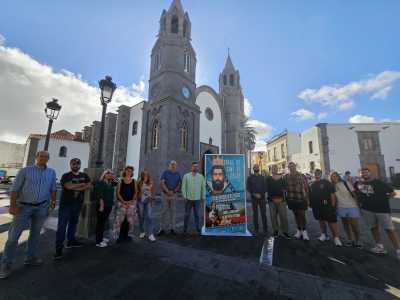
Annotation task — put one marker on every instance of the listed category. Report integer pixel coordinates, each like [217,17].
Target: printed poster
[225,204]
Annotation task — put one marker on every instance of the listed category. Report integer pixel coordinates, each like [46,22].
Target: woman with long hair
[105,191]
[347,209]
[145,201]
[127,192]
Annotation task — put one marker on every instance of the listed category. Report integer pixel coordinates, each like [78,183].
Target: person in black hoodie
[257,187]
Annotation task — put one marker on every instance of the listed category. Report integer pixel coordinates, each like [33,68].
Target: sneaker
[152,238]
[286,235]
[379,249]
[358,245]
[305,236]
[298,234]
[74,244]
[172,232]
[161,232]
[106,240]
[5,271]
[322,237]
[348,243]
[58,255]
[337,242]
[142,235]
[33,262]
[276,234]
[102,245]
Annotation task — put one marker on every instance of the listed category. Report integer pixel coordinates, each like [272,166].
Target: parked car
[8,179]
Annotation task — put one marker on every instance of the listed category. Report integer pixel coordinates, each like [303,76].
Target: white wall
[208,128]
[74,150]
[293,143]
[11,153]
[133,151]
[344,149]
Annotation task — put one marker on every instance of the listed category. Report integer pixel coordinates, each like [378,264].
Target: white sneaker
[102,244]
[322,237]
[305,236]
[142,235]
[106,240]
[337,242]
[379,249]
[298,234]
[152,238]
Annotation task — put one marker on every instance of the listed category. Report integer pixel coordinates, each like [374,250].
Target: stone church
[181,120]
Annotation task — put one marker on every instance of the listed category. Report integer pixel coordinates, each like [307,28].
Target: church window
[134,128]
[185,28]
[209,114]
[187,62]
[225,80]
[175,24]
[232,80]
[155,135]
[164,25]
[210,141]
[63,152]
[157,61]
[184,137]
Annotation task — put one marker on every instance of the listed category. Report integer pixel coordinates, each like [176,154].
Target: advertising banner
[225,204]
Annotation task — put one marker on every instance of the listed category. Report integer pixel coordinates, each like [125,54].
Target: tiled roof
[59,135]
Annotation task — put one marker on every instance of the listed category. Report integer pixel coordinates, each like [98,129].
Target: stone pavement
[177,267]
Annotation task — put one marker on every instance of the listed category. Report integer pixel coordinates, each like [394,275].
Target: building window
[187,62]
[269,155]
[312,166]
[134,128]
[185,27]
[210,141]
[232,80]
[310,147]
[157,62]
[155,135]
[275,157]
[283,150]
[368,145]
[184,137]
[174,24]
[164,24]
[209,114]
[225,80]
[62,152]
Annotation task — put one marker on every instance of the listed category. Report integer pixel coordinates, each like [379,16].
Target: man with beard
[374,196]
[74,185]
[219,184]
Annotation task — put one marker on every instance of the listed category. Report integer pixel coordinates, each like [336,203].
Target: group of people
[367,197]
[34,192]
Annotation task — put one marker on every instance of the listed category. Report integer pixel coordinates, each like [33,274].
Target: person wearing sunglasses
[74,184]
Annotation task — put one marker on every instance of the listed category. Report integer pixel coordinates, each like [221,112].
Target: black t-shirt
[320,193]
[374,195]
[276,187]
[68,196]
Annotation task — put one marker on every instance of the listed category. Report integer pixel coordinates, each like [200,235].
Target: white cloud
[386,120]
[263,130]
[303,114]
[341,96]
[361,119]
[25,86]
[248,108]
[322,115]
[2,39]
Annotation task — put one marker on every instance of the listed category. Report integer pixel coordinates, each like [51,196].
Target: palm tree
[248,133]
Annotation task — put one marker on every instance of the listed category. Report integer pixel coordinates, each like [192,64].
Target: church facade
[181,121]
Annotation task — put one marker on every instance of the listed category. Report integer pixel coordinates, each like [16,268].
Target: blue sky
[281,48]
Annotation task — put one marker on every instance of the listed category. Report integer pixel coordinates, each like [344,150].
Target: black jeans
[102,217]
[68,216]
[259,203]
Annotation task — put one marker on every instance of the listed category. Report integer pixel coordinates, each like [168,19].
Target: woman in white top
[347,209]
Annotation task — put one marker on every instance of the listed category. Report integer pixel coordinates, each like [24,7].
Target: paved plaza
[196,267]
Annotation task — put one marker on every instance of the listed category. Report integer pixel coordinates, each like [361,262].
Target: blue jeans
[35,216]
[189,205]
[68,215]
[144,213]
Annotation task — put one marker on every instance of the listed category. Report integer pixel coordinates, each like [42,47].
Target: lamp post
[107,88]
[52,111]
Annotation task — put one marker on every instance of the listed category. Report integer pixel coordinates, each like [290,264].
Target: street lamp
[52,111]
[107,88]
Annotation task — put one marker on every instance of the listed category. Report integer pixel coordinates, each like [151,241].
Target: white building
[63,146]
[348,147]
[11,157]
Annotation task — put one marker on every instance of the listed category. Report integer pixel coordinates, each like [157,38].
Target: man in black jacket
[257,187]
